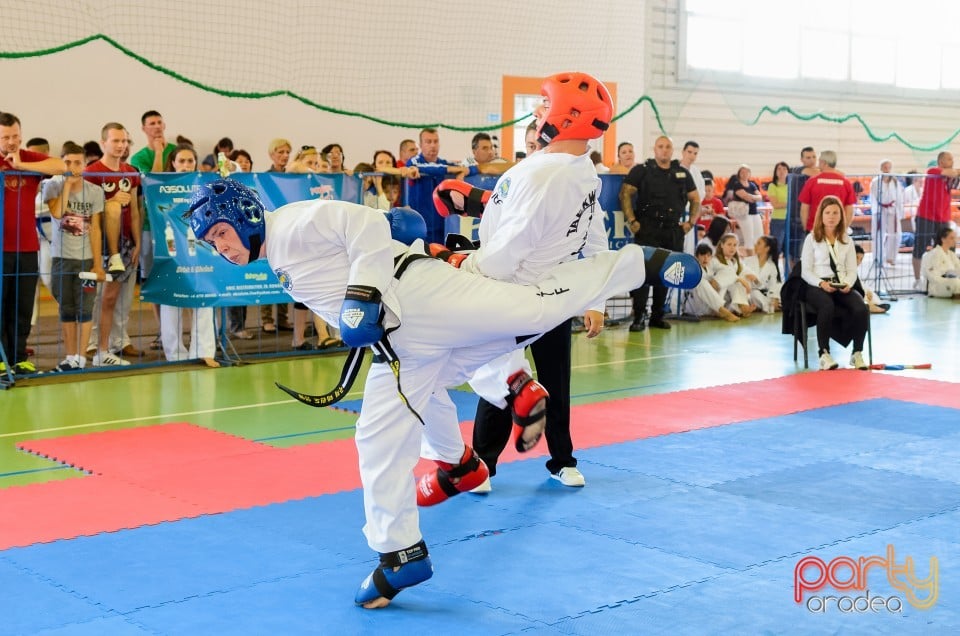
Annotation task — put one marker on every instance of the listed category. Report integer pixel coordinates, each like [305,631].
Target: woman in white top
[942,267]
[829,267]
[203,344]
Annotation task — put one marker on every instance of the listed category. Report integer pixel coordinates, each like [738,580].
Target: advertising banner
[186,271]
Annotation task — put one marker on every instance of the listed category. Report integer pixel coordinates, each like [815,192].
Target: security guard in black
[653,197]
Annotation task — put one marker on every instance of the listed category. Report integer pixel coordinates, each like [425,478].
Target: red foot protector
[449,480]
[528,400]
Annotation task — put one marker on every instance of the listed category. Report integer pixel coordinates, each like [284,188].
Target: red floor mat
[159,473]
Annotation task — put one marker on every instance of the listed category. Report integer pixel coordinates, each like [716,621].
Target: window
[842,41]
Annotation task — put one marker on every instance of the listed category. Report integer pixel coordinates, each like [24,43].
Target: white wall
[414,62]
[389,61]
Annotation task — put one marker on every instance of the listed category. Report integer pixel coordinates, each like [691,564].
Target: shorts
[75,296]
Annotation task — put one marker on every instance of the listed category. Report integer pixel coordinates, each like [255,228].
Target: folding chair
[801,325]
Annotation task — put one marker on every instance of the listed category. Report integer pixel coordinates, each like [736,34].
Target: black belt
[383,353]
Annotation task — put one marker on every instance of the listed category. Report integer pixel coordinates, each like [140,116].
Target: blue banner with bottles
[187,272]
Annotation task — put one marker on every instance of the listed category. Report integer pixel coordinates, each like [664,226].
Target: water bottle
[171,242]
[191,242]
[222,165]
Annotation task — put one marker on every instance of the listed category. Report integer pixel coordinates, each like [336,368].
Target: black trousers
[21,271]
[668,237]
[492,426]
[825,306]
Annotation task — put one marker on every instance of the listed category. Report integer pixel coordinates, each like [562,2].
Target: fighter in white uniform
[339,259]
[542,212]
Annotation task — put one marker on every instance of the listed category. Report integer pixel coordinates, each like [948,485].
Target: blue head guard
[227,201]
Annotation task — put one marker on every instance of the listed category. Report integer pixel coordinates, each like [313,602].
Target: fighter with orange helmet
[542,212]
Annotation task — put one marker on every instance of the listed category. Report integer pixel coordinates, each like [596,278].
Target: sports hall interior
[715,460]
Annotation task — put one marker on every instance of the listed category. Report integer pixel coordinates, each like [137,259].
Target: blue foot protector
[397,570]
[672,269]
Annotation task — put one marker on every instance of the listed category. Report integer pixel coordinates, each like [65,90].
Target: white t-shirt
[70,234]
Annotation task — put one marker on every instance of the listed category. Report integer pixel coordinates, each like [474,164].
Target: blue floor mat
[690,533]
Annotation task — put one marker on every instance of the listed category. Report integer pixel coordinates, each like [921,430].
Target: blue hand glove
[360,316]
[406,225]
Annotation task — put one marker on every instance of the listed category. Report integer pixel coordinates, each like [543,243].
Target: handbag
[738,210]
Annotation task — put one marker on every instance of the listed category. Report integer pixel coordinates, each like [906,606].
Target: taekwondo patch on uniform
[503,188]
[285,281]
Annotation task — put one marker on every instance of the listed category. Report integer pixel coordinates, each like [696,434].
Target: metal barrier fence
[150,326]
[884,225]
[227,332]
[45,304]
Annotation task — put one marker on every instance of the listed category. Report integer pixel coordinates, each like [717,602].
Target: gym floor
[242,401]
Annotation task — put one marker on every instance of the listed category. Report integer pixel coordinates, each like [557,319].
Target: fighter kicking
[543,211]
[339,259]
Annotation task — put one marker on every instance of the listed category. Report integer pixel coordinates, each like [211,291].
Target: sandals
[330,343]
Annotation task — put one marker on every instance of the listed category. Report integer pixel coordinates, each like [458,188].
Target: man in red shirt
[120,194]
[20,269]
[829,181]
[933,211]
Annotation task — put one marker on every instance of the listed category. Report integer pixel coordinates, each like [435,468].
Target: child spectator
[735,282]
[711,206]
[705,299]
[76,207]
[941,267]
[719,225]
[766,288]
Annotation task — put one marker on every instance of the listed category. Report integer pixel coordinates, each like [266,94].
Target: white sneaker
[827,362]
[107,359]
[570,476]
[857,361]
[483,488]
[67,365]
